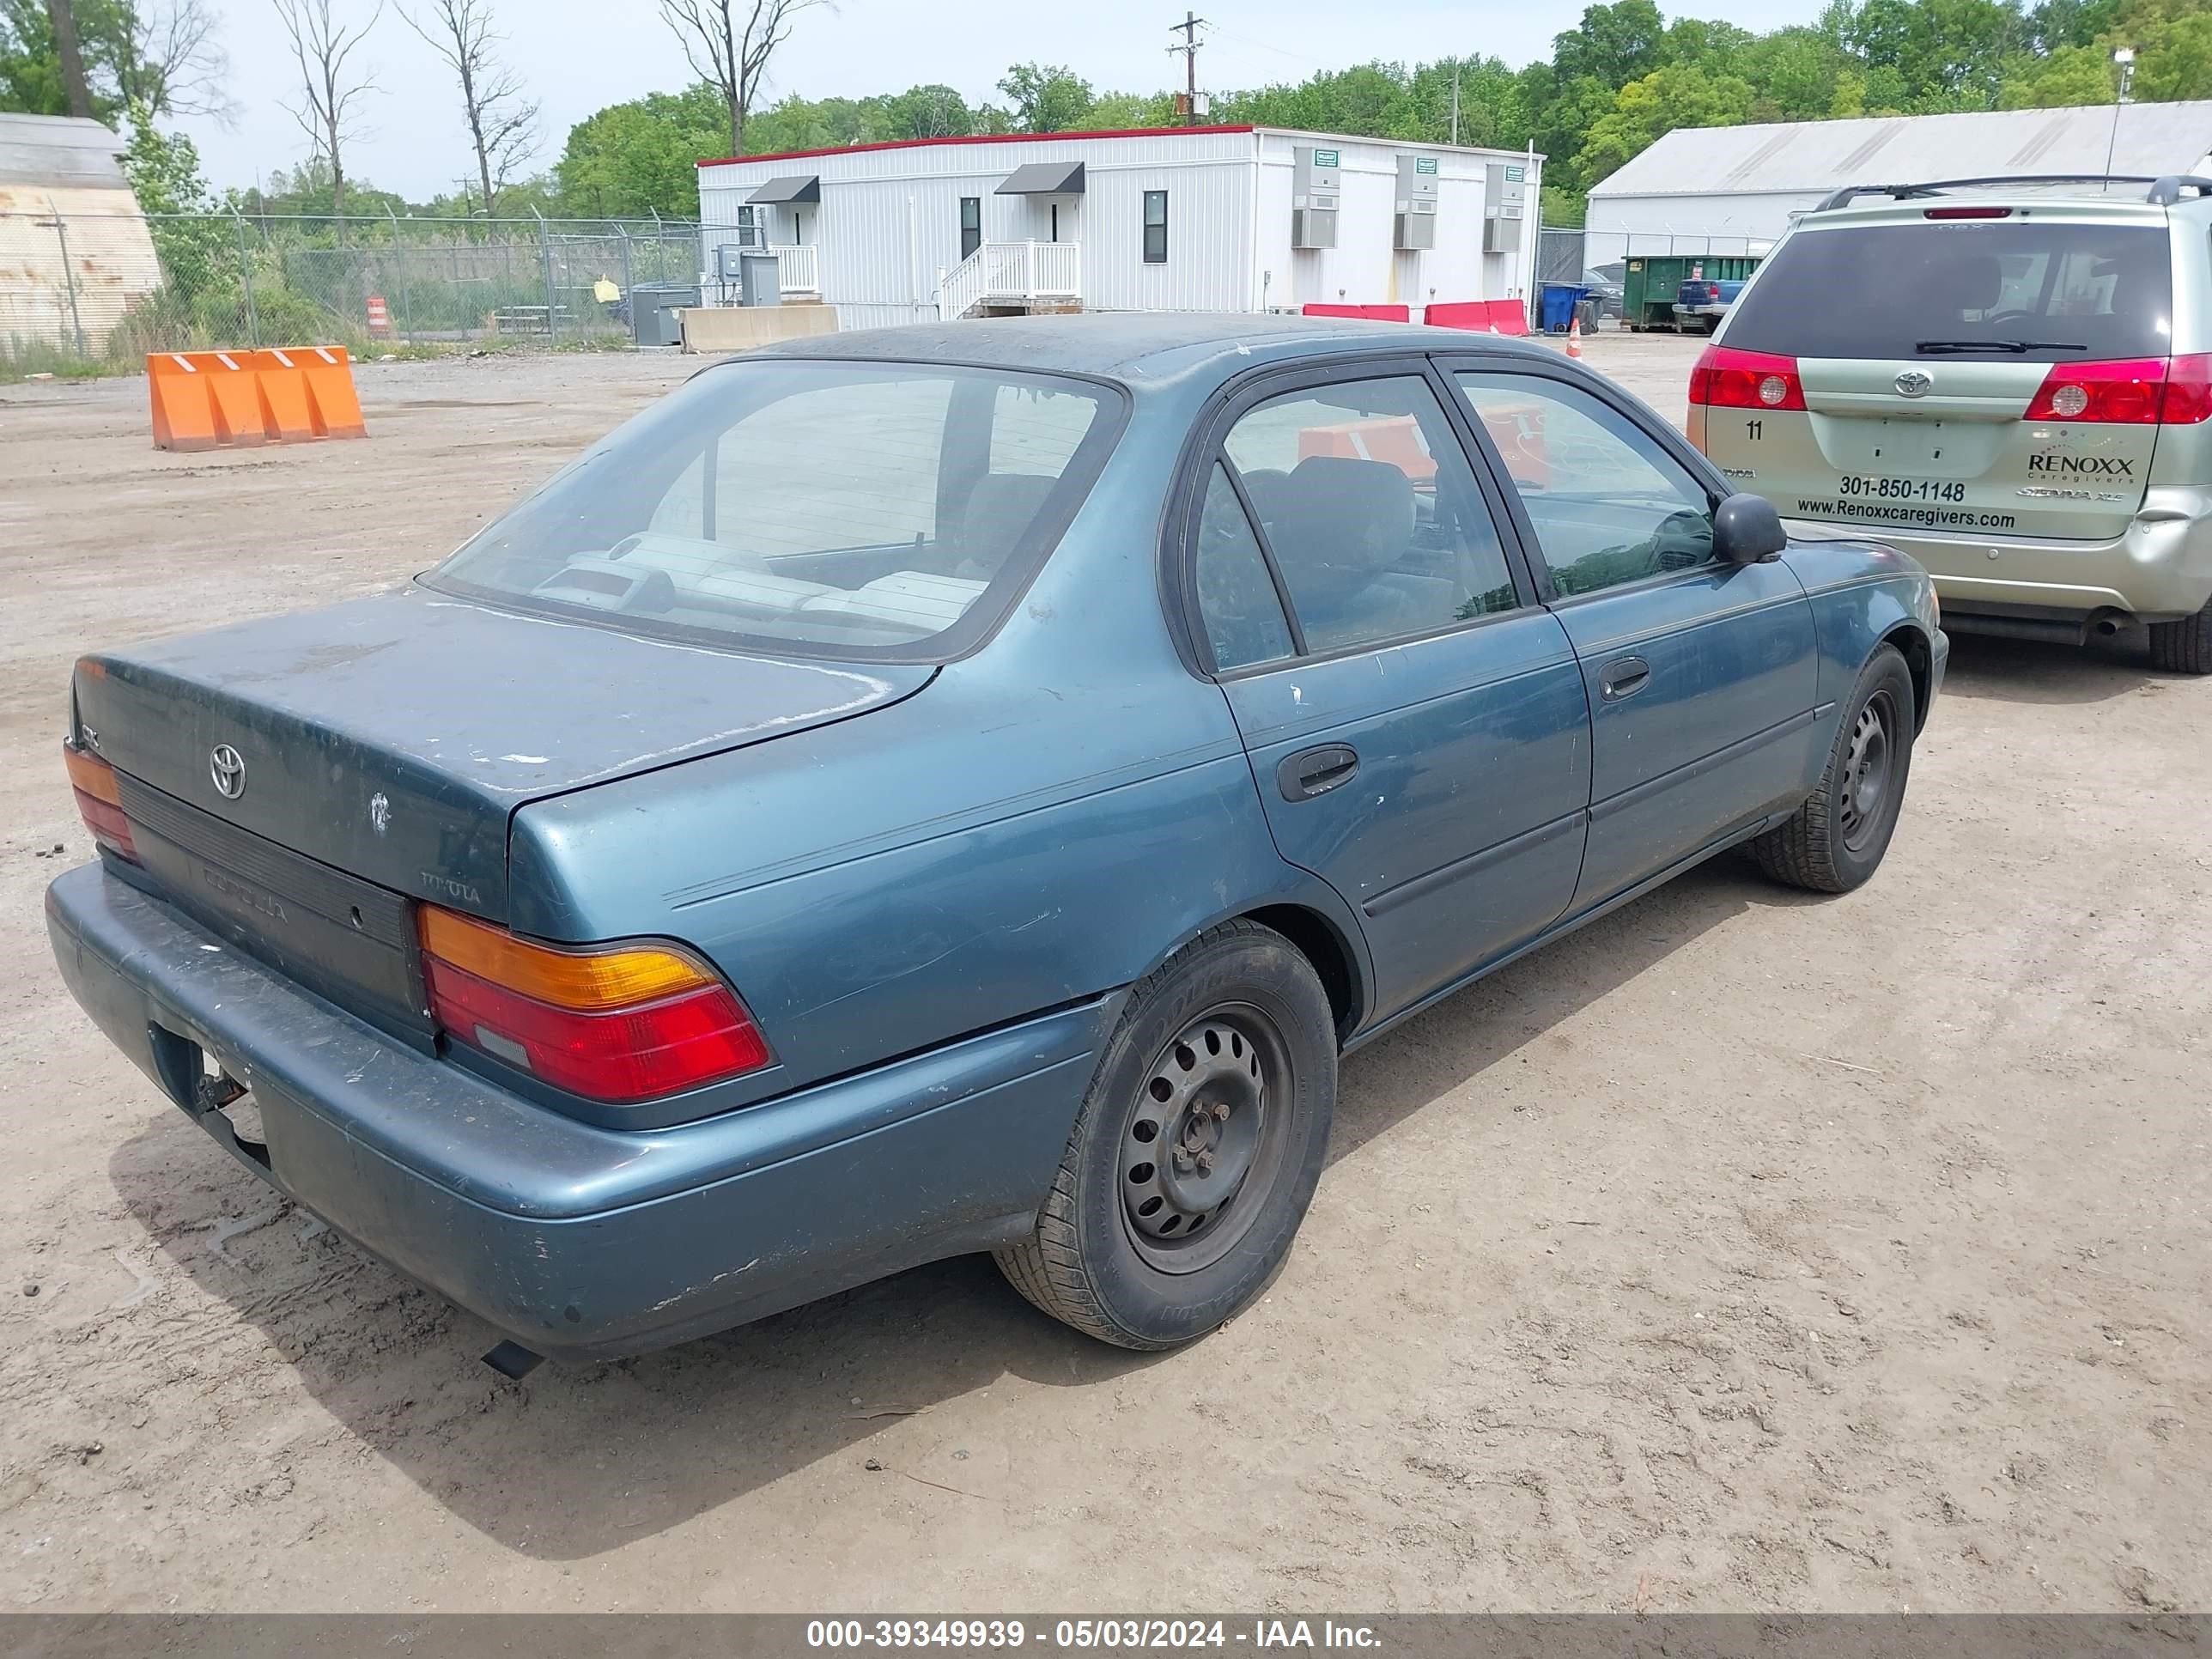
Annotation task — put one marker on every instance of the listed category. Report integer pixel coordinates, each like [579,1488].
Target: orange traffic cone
[1574,338]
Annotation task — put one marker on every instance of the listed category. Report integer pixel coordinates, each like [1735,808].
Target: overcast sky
[579,55]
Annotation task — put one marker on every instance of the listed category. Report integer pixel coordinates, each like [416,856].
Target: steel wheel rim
[1868,760]
[1202,1140]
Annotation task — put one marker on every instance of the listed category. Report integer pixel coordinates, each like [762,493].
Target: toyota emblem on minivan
[1914,384]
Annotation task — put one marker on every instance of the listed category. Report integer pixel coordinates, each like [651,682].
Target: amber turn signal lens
[586,981]
[99,802]
[91,774]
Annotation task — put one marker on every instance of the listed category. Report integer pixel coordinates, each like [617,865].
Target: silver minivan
[2008,379]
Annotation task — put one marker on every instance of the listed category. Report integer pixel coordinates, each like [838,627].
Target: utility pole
[1188,29]
[1455,101]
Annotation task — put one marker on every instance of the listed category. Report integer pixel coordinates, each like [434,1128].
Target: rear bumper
[575,1241]
[2159,570]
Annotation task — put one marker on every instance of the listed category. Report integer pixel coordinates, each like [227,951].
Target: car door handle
[1313,772]
[1623,678]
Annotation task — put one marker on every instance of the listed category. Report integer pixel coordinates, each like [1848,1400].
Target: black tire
[2184,646]
[1238,1020]
[1835,840]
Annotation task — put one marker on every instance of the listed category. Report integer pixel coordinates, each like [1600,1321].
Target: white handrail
[797,267]
[1010,271]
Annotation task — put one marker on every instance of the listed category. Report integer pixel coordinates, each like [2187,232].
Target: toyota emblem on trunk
[1913,384]
[227,767]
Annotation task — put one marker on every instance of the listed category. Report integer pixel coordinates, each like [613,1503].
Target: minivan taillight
[1725,378]
[618,1023]
[2136,391]
[99,803]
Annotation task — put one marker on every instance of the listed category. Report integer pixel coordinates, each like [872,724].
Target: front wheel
[2184,646]
[1197,1148]
[1835,840]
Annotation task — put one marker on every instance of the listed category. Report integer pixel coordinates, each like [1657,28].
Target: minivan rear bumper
[2160,570]
[575,1241]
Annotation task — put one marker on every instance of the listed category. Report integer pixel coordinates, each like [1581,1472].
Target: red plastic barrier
[1460,314]
[1504,316]
[1372,313]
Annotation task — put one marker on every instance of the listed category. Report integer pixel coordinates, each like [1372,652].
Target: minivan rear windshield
[2071,292]
[886,512]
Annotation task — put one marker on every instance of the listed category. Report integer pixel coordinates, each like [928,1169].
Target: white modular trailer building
[1734,190]
[1223,218]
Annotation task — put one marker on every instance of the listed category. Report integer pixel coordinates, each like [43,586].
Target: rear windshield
[880,511]
[2066,291]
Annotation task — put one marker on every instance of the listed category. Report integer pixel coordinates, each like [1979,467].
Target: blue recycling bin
[1557,306]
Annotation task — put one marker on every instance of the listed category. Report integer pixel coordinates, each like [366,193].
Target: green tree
[1679,96]
[1046,97]
[196,251]
[1616,44]
[633,158]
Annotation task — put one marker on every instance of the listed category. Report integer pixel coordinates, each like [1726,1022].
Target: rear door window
[2029,288]
[1373,517]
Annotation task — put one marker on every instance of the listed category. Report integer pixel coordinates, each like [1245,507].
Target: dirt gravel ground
[1744,1250]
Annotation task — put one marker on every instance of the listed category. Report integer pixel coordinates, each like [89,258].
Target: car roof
[1139,347]
[2109,199]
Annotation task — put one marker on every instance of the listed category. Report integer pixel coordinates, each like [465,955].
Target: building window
[748,227]
[971,224]
[1155,227]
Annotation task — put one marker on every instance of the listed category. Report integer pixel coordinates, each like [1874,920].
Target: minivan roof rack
[2163,192]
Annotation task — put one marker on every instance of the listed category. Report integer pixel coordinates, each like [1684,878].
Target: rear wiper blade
[1936,347]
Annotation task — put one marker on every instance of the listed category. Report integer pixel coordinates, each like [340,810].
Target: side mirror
[1747,530]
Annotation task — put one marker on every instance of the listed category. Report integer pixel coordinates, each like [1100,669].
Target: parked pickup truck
[1701,302]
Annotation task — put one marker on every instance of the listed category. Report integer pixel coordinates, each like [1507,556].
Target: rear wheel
[1197,1148]
[1836,839]
[2184,646]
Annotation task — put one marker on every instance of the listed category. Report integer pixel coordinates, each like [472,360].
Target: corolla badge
[1914,384]
[226,768]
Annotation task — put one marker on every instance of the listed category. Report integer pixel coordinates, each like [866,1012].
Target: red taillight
[2188,390]
[1966,213]
[99,803]
[620,1025]
[2125,393]
[1725,378]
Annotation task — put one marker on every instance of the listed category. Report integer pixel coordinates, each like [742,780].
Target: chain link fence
[81,292]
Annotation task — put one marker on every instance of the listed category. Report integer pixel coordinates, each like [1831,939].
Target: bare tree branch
[502,123]
[729,43]
[330,93]
[166,55]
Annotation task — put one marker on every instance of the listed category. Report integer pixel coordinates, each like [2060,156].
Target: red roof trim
[967,138]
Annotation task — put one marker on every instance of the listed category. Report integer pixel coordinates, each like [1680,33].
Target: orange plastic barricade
[1393,439]
[207,399]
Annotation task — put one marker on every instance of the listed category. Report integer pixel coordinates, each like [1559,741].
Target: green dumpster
[1652,281]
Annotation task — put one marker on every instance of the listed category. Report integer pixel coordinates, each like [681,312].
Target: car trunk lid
[390,740]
